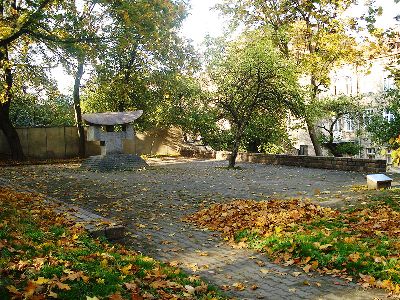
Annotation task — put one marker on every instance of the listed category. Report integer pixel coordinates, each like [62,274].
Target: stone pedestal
[114,162]
[112,157]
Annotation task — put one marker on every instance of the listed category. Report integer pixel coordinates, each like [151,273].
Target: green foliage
[254,88]
[348,148]
[133,46]
[146,65]
[382,131]
[266,133]
[316,31]
[27,111]
[316,34]
[328,112]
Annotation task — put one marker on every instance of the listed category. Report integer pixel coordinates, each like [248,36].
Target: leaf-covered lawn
[361,244]
[45,256]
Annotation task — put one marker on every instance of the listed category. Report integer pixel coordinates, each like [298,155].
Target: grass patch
[390,197]
[45,256]
[360,244]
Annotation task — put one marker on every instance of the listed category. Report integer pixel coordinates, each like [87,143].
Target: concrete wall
[62,142]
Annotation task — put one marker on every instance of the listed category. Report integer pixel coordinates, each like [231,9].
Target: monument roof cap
[112,118]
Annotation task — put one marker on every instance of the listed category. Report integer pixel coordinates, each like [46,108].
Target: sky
[202,20]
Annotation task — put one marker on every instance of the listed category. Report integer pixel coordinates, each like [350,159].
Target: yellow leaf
[126,270]
[12,289]
[91,298]
[104,263]
[239,286]
[326,246]
[314,264]
[349,240]
[307,268]
[41,280]
[30,289]
[289,263]
[354,257]
[53,295]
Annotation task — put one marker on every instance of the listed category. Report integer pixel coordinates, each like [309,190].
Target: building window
[303,150]
[370,152]
[388,115]
[336,126]
[367,115]
[388,83]
[348,124]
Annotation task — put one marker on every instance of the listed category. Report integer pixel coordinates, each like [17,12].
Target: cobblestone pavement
[152,202]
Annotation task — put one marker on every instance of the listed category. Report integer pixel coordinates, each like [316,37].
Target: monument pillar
[111,141]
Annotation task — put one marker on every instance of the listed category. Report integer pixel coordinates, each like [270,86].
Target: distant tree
[314,33]
[328,112]
[28,111]
[30,32]
[249,77]
[383,130]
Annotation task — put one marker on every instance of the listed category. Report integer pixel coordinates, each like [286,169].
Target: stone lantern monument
[102,127]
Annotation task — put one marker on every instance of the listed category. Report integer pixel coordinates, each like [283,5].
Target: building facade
[367,83]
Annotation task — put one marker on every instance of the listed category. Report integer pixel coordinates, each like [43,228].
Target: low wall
[319,162]
[62,142]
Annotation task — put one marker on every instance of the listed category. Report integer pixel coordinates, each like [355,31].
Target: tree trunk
[314,138]
[235,150]
[78,110]
[11,134]
[5,123]
[311,127]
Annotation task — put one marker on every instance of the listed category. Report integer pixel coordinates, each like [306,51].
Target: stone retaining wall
[319,162]
[197,153]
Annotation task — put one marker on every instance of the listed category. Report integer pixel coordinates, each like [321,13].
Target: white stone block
[378,181]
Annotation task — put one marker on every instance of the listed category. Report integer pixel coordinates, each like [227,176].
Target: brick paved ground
[152,202]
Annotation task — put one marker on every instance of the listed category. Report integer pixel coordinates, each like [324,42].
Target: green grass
[54,256]
[389,197]
[339,243]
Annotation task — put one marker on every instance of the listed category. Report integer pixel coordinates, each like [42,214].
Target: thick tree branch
[23,28]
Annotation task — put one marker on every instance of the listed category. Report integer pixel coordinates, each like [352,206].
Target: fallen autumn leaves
[363,243]
[45,256]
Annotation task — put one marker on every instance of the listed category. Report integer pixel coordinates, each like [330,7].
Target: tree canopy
[249,77]
[132,46]
[314,33]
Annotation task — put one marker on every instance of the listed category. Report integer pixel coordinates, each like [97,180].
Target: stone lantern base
[114,162]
